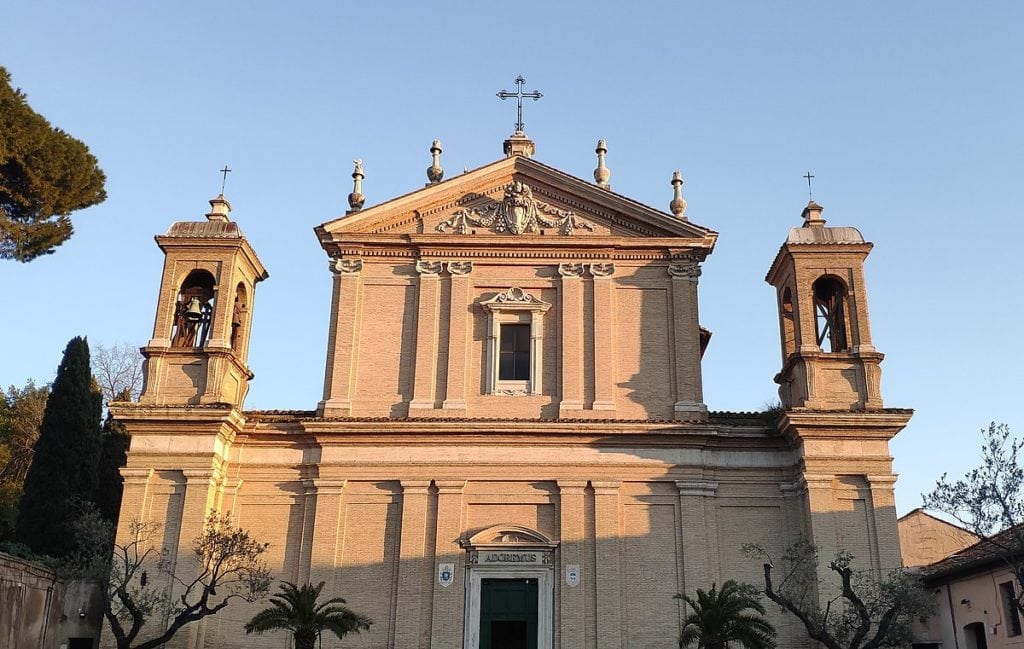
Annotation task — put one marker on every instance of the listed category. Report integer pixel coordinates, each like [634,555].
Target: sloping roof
[205,229]
[807,235]
[925,539]
[920,511]
[982,555]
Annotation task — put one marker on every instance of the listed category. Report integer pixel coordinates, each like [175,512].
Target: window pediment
[515,299]
[508,536]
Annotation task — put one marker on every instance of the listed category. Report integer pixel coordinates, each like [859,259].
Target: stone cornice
[824,250]
[443,246]
[876,424]
[189,420]
[326,433]
[195,245]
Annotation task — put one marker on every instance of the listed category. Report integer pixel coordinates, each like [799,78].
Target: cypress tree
[113,456]
[66,455]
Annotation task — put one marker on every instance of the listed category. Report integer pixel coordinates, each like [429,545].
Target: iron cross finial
[224,181]
[808,176]
[519,95]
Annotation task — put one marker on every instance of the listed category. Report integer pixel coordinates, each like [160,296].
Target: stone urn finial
[678,205]
[434,172]
[602,174]
[356,198]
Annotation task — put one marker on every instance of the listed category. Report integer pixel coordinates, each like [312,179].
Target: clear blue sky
[908,113]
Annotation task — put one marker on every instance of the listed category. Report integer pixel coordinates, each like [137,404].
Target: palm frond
[296,609]
[269,619]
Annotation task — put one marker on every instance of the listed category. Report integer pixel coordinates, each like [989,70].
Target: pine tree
[45,175]
[66,455]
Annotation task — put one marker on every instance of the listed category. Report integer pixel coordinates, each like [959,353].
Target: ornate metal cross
[808,176]
[225,171]
[519,95]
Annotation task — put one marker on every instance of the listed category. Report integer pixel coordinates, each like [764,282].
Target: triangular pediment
[515,196]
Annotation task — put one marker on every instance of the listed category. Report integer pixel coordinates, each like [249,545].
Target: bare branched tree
[989,500]
[867,612]
[226,564]
[118,370]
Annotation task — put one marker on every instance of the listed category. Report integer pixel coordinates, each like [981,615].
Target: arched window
[192,310]
[788,325]
[238,312]
[830,314]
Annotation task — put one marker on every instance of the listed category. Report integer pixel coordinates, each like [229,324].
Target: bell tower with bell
[200,338]
[828,361]
[829,388]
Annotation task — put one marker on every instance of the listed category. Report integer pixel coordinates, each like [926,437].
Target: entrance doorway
[508,613]
[974,634]
[510,589]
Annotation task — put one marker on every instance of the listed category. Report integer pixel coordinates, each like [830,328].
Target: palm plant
[296,609]
[730,615]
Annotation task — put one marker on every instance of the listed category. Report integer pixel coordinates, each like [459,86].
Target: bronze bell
[194,310]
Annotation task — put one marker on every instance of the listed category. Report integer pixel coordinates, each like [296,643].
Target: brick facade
[605,462]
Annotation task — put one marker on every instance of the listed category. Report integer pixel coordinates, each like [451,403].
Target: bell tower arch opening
[787,324]
[830,313]
[239,317]
[192,310]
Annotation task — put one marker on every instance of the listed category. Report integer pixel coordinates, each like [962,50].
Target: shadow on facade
[658,517]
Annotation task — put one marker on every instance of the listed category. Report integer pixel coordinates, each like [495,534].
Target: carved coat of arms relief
[517,213]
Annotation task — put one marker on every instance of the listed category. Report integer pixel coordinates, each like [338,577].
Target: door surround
[510,552]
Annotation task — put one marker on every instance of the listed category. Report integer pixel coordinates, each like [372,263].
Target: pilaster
[571,501]
[428,307]
[604,339]
[343,338]
[448,601]
[571,293]
[686,340]
[134,494]
[822,520]
[887,536]
[328,520]
[608,564]
[699,533]
[458,334]
[310,503]
[199,500]
[860,323]
[413,566]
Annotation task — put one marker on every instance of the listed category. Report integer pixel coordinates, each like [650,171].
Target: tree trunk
[305,640]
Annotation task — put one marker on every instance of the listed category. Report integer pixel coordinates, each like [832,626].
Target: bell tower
[201,334]
[828,361]
[832,408]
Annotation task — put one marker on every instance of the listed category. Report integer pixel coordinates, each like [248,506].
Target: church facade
[512,447]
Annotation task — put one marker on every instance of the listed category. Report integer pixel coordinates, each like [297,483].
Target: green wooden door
[508,614]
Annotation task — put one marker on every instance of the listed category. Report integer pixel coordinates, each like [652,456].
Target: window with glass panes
[514,353]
